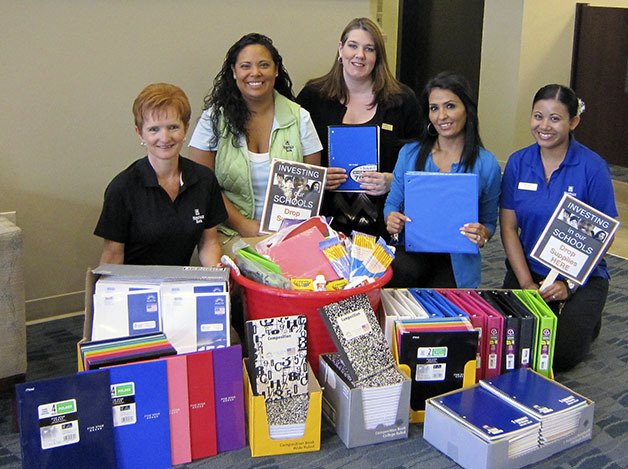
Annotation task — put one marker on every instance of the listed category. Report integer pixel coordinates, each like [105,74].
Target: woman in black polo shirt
[161,207]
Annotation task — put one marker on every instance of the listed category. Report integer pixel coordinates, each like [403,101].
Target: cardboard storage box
[342,406]
[456,441]
[259,435]
[142,272]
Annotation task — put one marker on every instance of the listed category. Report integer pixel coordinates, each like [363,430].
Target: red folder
[202,405]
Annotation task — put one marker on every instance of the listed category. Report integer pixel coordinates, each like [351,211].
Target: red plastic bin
[261,301]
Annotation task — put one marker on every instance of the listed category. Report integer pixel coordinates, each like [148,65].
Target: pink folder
[177,369]
[301,257]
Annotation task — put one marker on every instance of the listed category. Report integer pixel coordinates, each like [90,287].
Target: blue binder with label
[438,205]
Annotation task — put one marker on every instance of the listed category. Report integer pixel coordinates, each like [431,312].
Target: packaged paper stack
[190,306]
[559,409]
[437,351]
[364,359]
[279,372]
[512,420]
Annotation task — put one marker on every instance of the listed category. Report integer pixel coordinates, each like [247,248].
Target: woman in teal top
[450,143]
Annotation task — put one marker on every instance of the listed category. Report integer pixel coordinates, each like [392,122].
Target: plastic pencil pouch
[361,250]
[337,255]
[379,261]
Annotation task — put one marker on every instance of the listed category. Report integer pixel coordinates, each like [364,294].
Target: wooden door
[599,76]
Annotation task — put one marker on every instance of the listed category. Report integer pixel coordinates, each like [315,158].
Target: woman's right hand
[249,228]
[395,221]
[335,177]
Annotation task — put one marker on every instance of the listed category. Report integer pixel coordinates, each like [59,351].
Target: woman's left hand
[557,291]
[477,233]
[375,183]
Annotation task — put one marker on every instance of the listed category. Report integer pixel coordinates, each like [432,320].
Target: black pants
[421,270]
[579,321]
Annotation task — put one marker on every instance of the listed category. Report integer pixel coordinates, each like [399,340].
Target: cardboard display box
[456,441]
[142,273]
[259,435]
[342,406]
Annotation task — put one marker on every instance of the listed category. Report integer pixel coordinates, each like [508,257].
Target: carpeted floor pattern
[603,377]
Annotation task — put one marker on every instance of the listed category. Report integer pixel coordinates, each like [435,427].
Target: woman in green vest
[250,117]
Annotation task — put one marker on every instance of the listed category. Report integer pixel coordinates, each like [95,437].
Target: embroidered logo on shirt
[198,217]
[571,191]
[288,146]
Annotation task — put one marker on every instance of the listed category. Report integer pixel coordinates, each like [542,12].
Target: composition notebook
[356,149]
[439,204]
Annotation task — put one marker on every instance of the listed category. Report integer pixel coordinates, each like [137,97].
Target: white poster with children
[574,239]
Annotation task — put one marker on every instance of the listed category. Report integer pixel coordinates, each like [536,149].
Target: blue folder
[67,422]
[354,148]
[139,400]
[438,205]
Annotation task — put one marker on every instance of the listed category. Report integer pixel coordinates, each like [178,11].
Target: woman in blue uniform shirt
[535,179]
[450,143]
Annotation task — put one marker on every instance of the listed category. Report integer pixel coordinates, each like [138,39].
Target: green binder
[545,330]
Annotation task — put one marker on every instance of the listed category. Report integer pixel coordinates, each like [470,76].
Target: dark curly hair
[459,86]
[225,98]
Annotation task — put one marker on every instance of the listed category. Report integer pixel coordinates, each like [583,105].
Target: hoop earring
[340,60]
[434,132]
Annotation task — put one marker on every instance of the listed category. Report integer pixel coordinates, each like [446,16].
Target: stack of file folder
[109,352]
[437,352]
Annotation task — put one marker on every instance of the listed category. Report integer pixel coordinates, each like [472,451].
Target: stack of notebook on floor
[278,369]
[512,420]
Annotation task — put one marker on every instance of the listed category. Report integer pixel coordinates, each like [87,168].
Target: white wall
[70,71]
[526,44]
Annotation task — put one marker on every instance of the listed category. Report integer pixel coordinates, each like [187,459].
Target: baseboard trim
[53,306]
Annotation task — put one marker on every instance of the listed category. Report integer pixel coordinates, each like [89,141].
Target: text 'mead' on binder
[356,149]
[439,204]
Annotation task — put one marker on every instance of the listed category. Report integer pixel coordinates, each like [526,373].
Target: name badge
[388,127]
[528,186]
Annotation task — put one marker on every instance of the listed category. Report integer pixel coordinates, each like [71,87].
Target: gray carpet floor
[603,377]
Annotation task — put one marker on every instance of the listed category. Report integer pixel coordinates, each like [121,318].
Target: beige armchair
[12,308]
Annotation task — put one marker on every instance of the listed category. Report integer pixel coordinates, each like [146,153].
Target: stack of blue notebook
[559,409]
[511,420]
